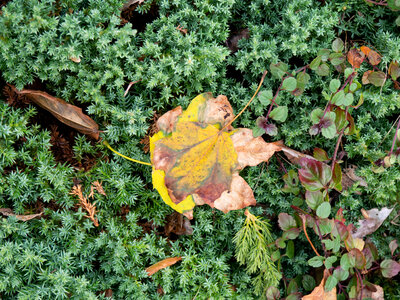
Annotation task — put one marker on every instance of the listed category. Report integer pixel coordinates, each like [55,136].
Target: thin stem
[126,157]
[320,236]
[248,103]
[395,138]
[274,99]
[308,238]
[382,2]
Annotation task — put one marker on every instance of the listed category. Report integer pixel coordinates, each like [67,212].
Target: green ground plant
[83,52]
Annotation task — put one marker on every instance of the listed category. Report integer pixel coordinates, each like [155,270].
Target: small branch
[382,2]
[130,85]
[395,138]
[248,103]
[308,238]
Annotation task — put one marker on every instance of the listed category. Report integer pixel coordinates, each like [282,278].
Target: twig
[130,85]
[395,138]
[248,103]
[382,2]
[303,218]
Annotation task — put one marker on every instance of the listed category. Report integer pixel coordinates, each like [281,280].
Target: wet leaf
[66,113]
[162,264]
[373,222]
[355,57]
[9,213]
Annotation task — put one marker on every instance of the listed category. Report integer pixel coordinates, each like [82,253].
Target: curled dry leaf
[162,264]
[373,292]
[374,219]
[8,212]
[66,113]
[373,56]
[197,155]
[319,292]
[355,57]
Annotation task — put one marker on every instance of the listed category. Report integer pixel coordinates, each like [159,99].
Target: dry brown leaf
[373,56]
[75,59]
[177,224]
[128,3]
[319,293]
[349,177]
[375,294]
[99,188]
[240,195]
[168,120]
[355,57]
[217,111]
[66,113]
[252,151]
[8,212]
[162,264]
[373,221]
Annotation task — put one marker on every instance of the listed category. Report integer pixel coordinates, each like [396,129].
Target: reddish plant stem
[273,100]
[338,141]
[308,238]
[382,2]
[361,283]
[395,138]
[320,236]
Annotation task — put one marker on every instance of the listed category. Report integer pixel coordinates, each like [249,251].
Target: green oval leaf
[324,210]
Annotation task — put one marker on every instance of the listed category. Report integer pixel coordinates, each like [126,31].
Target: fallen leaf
[8,213]
[394,70]
[128,3]
[373,56]
[75,59]
[319,292]
[393,246]
[167,121]
[372,222]
[349,178]
[195,162]
[355,57]
[374,294]
[66,113]
[162,264]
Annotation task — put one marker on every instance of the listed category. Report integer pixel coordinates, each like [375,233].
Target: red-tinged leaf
[355,57]
[66,113]
[389,268]
[372,248]
[394,70]
[373,222]
[273,293]
[291,234]
[9,213]
[162,264]
[339,215]
[286,221]
[314,175]
[369,258]
[373,56]
[393,246]
[357,259]
[320,154]
[342,230]
[337,177]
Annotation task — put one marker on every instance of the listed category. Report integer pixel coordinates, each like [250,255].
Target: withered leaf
[8,212]
[198,161]
[66,113]
[168,120]
[162,264]
[355,58]
[373,221]
[373,56]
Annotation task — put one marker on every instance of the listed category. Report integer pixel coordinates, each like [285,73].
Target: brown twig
[395,138]
[303,218]
[130,85]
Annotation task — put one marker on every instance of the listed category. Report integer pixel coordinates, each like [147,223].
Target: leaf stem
[126,157]
[338,141]
[248,103]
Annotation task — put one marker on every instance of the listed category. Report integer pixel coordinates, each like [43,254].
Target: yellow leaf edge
[158,178]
